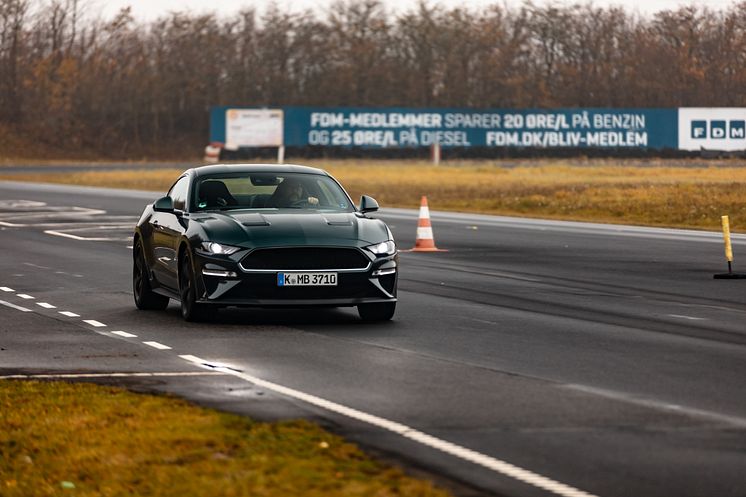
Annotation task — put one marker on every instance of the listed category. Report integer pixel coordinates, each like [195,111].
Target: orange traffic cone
[424,241]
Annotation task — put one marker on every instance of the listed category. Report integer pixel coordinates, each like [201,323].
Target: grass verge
[87,440]
[686,194]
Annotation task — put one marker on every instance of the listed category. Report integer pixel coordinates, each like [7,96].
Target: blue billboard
[412,128]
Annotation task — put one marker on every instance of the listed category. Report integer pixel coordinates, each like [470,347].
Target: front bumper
[223,281]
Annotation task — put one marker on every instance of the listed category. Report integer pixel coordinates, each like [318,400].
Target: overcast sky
[150,9]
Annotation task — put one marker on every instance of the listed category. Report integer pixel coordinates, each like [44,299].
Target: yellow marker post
[726,239]
[728,252]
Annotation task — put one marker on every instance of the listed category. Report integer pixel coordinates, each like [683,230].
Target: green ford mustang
[263,235]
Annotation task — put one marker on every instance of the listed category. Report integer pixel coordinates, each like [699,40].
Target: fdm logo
[718,129]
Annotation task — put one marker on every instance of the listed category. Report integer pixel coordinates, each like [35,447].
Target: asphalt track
[535,358]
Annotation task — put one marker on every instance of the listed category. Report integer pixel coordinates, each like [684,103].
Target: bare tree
[119,86]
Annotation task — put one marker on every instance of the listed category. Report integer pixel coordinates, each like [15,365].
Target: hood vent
[342,220]
[252,220]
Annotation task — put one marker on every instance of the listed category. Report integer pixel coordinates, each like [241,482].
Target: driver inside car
[289,193]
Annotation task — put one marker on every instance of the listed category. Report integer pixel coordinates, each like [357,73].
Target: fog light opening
[384,272]
[219,274]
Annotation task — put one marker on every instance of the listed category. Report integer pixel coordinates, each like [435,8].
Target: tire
[190,309]
[377,312]
[145,297]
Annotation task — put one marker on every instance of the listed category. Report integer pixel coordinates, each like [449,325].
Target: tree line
[119,85]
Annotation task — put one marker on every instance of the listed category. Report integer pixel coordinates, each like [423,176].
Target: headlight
[383,248]
[218,249]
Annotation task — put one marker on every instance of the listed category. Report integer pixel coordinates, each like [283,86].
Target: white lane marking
[192,358]
[83,238]
[123,334]
[110,375]
[35,265]
[13,306]
[482,321]
[52,212]
[65,225]
[109,220]
[24,296]
[46,305]
[69,314]
[20,204]
[94,323]
[450,448]
[6,289]
[467,269]
[208,364]
[109,226]
[41,224]
[665,406]
[157,345]
[25,219]
[691,318]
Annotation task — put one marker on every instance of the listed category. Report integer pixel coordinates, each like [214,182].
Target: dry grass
[88,440]
[690,194]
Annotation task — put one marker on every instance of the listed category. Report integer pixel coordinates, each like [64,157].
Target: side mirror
[164,204]
[368,204]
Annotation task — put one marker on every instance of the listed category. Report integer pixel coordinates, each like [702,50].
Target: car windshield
[269,191]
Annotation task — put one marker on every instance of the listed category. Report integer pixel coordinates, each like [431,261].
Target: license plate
[306,279]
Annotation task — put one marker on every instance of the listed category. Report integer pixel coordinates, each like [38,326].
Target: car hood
[273,228]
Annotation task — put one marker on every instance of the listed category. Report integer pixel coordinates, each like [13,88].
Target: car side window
[178,193]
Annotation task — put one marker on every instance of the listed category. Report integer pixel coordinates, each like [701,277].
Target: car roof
[255,168]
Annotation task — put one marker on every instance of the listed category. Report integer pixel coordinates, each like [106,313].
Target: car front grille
[305,259]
